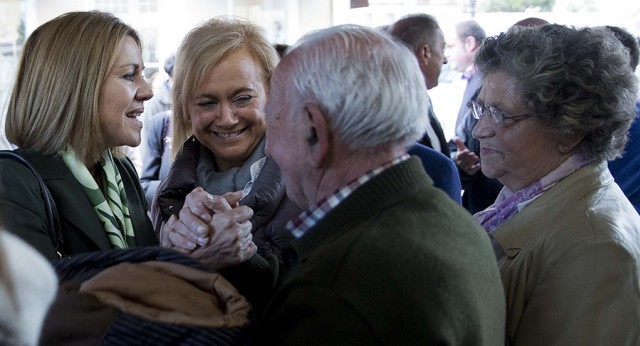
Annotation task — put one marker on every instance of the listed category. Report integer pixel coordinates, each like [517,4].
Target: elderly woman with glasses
[555,105]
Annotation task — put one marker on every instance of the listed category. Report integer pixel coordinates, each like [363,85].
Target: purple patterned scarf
[508,203]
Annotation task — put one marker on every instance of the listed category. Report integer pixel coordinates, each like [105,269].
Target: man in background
[479,191]
[422,34]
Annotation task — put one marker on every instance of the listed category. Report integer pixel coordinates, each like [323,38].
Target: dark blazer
[440,169]
[437,128]
[22,209]
[625,168]
[471,91]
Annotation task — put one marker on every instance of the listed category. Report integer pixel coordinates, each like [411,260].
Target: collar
[469,72]
[516,232]
[308,218]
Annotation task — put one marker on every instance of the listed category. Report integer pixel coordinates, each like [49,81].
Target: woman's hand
[211,228]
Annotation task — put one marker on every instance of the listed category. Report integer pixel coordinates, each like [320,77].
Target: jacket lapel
[73,205]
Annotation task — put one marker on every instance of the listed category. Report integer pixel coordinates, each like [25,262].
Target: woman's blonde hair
[64,63]
[203,48]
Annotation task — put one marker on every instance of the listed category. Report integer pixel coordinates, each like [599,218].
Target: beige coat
[571,272]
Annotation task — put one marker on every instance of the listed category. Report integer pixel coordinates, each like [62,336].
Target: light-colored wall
[287,20]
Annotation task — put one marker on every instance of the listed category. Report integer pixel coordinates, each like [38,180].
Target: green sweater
[397,262]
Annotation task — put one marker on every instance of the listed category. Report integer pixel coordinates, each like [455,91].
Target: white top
[34,284]
[433,137]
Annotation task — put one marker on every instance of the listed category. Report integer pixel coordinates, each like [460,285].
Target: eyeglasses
[478,110]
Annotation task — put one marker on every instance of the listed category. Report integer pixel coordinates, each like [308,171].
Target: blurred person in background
[422,34]
[161,100]
[479,191]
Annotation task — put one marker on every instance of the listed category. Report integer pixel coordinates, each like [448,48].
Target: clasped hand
[213,229]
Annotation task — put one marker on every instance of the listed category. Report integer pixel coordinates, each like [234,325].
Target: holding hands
[213,229]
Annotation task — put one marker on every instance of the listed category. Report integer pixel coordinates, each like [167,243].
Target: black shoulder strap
[53,219]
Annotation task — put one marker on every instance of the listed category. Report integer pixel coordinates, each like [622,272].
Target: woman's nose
[483,128]
[226,117]
[145,93]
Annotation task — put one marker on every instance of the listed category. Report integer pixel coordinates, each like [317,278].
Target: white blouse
[34,287]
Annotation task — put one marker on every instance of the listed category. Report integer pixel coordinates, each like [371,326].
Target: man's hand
[466,159]
[230,241]
[211,228]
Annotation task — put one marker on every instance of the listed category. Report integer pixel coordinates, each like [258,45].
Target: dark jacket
[625,169]
[271,207]
[396,263]
[22,207]
[437,128]
[440,169]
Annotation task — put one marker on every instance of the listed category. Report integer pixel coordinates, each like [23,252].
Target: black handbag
[53,219]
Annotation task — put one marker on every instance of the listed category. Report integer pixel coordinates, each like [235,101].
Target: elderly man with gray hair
[380,256]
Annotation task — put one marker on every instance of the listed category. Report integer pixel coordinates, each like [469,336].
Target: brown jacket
[571,269]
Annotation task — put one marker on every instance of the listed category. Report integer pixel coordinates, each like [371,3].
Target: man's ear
[424,54]
[318,136]
[471,44]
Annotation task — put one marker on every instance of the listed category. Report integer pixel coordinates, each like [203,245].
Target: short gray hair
[577,82]
[368,85]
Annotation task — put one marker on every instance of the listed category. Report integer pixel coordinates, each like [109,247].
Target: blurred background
[163,23]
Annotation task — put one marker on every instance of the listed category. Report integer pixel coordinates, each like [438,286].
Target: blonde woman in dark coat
[221,82]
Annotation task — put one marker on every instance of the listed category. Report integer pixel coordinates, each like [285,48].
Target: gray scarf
[234,179]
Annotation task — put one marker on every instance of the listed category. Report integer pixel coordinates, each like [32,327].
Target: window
[113,6]
[148,6]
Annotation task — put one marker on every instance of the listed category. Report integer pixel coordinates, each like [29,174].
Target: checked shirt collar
[307,219]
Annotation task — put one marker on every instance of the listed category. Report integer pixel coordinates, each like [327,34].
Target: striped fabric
[127,329]
[109,201]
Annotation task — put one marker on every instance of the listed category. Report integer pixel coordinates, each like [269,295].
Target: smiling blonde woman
[221,83]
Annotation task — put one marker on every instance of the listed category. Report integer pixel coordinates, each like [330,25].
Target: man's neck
[350,167]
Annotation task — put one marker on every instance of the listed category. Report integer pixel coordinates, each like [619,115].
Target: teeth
[227,135]
[133,115]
